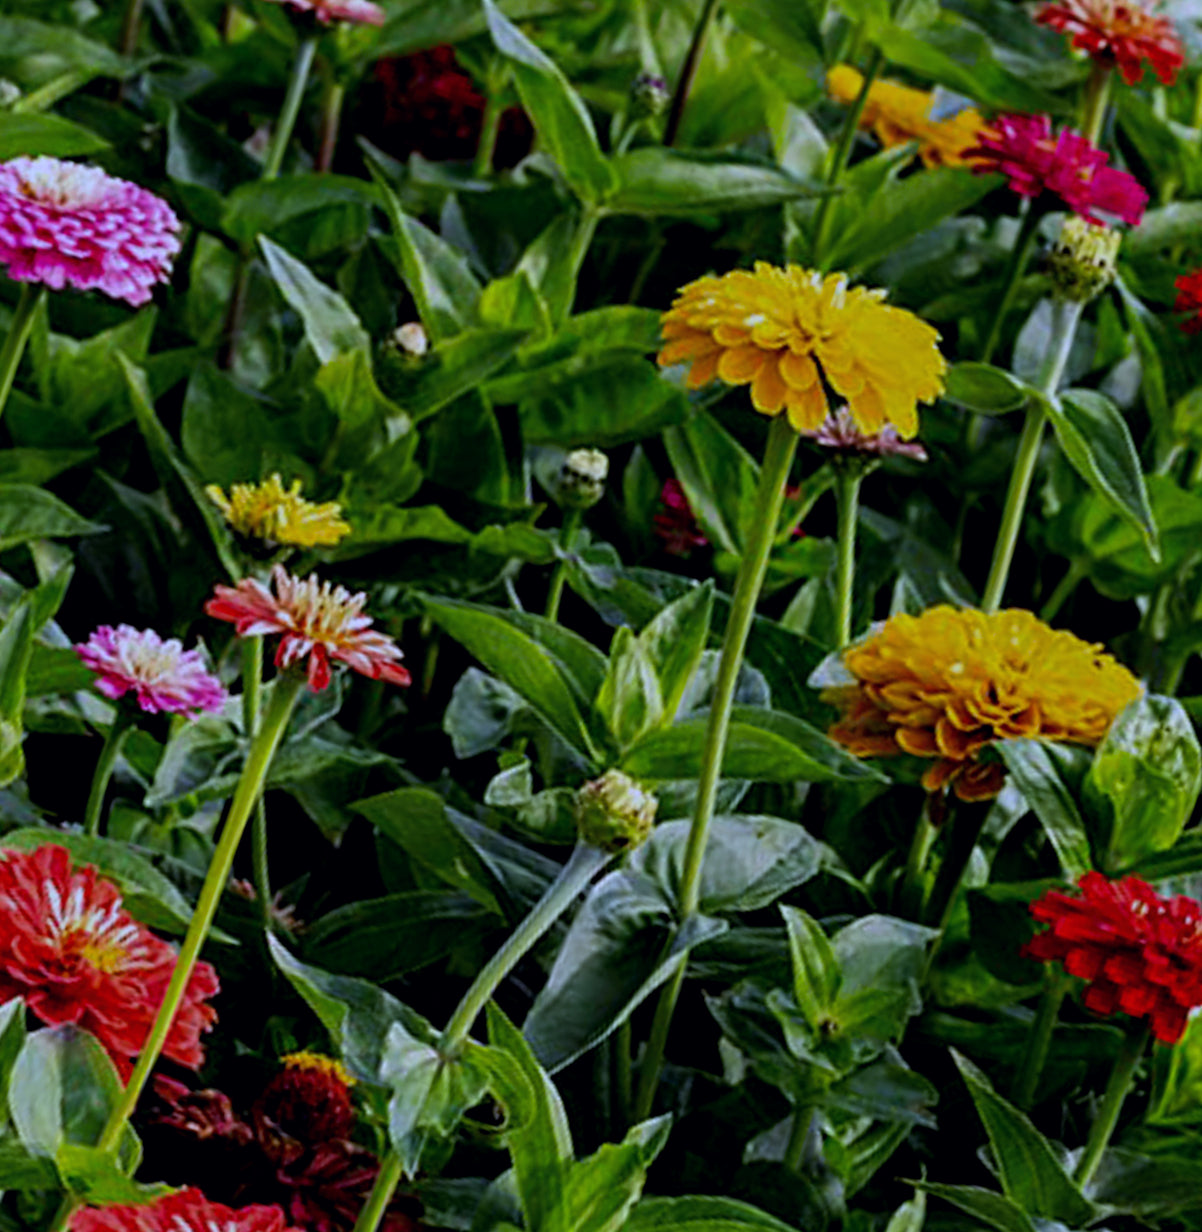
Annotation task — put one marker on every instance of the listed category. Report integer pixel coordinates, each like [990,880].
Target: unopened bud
[649,96]
[614,812]
[411,338]
[582,479]
[1083,261]
[10,93]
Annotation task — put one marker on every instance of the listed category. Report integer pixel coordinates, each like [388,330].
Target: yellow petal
[740,364]
[768,390]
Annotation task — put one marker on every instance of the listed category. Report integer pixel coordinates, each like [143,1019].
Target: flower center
[61,185]
[324,612]
[96,936]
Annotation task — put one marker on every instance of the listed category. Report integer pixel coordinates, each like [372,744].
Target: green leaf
[910,1216]
[331,326]
[816,975]
[559,115]
[701,1215]
[23,1170]
[1096,440]
[33,134]
[1031,1174]
[1038,770]
[983,1204]
[94,1178]
[719,477]
[28,513]
[264,206]
[984,389]
[602,1189]
[674,642]
[630,699]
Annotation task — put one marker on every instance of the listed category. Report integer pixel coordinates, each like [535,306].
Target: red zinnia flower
[1118,35]
[71,950]
[186,1211]
[1189,299]
[1139,953]
[675,523]
[309,1099]
[1024,149]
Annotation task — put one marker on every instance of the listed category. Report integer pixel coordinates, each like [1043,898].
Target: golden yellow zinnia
[269,511]
[897,114]
[949,683]
[790,332]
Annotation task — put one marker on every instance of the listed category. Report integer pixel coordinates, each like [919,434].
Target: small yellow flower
[790,332]
[949,683]
[897,114]
[315,1062]
[268,511]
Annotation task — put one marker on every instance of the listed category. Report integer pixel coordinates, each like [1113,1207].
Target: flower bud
[582,479]
[1083,261]
[614,812]
[649,96]
[411,339]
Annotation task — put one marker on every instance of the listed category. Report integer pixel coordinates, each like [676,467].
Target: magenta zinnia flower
[362,12]
[839,431]
[163,676]
[1034,159]
[318,621]
[65,224]
[188,1210]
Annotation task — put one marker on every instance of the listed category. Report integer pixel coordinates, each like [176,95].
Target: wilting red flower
[361,12]
[318,621]
[71,950]
[162,675]
[1024,149]
[1189,299]
[675,523]
[186,1211]
[1118,35]
[1139,952]
[309,1099]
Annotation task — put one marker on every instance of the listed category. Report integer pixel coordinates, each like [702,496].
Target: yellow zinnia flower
[267,511]
[949,683]
[897,114]
[787,331]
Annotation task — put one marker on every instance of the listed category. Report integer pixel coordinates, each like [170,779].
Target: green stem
[921,842]
[252,678]
[1097,99]
[1064,328]
[387,1179]
[1020,258]
[688,72]
[847,501]
[118,730]
[1039,1039]
[966,826]
[623,1077]
[291,108]
[803,1117]
[490,127]
[842,155]
[567,536]
[1112,1104]
[130,27]
[19,330]
[45,96]
[332,100]
[1077,571]
[778,458]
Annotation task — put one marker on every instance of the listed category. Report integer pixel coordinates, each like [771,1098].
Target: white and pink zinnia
[362,12]
[66,224]
[163,676]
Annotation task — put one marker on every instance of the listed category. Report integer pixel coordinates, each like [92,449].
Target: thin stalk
[118,730]
[847,501]
[286,123]
[1097,100]
[45,96]
[841,157]
[799,1133]
[1064,329]
[688,72]
[490,127]
[966,825]
[778,458]
[252,678]
[1020,258]
[1064,588]
[332,99]
[567,536]
[1039,1039]
[923,839]
[30,298]
[623,1077]
[387,1179]
[1112,1104]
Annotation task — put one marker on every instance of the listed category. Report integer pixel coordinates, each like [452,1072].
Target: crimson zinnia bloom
[1118,35]
[1035,160]
[318,621]
[162,675]
[64,224]
[675,524]
[1189,299]
[186,1211]
[1139,952]
[68,946]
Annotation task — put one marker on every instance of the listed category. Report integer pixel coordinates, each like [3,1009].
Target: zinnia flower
[361,12]
[949,683]
[1189,299]
[162,675]
[65,224]
[1118,35]
[1138,952]
[309,1099]
[787,332]
[68,947]
[1024,149]
[269,511]
[188,1210]
[675,524]
[318,621]
[839,432]
[898,114]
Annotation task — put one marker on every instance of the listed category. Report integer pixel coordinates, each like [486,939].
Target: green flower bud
[1083,261]
[614,812]
[649,96]
[582,479]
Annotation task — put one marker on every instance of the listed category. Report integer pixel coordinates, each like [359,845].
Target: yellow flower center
[315,1062]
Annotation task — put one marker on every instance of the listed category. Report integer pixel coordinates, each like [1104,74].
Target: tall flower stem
[18,335]
[131,25]
[332,99]
[387,1179]
[111,750]
[567,536]
[490,127]
[252,677]
[778,458]
[286,122]
[847,501]
[1097,100]
[966,825]
[688,72]
[1039,1039]
[799,1133]
[1064,329]
[1016,267]
[1112,1104]
[921,842]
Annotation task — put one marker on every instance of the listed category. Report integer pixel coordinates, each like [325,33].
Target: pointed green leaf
[701,1214]
[816,975]
[1037,769]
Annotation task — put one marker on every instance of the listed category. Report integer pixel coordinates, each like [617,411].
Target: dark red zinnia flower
[1138,952]
[309,1099]
[186,1211]
[675,524]
[1189,299]
[1118,35]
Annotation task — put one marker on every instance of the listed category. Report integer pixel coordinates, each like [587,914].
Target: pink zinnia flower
[1118,35]
[317,620]
[839,431]
[188,1210]
[327,11]
[69,947]
[1024,149]
[165,678]
[65,224]
[675,524]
